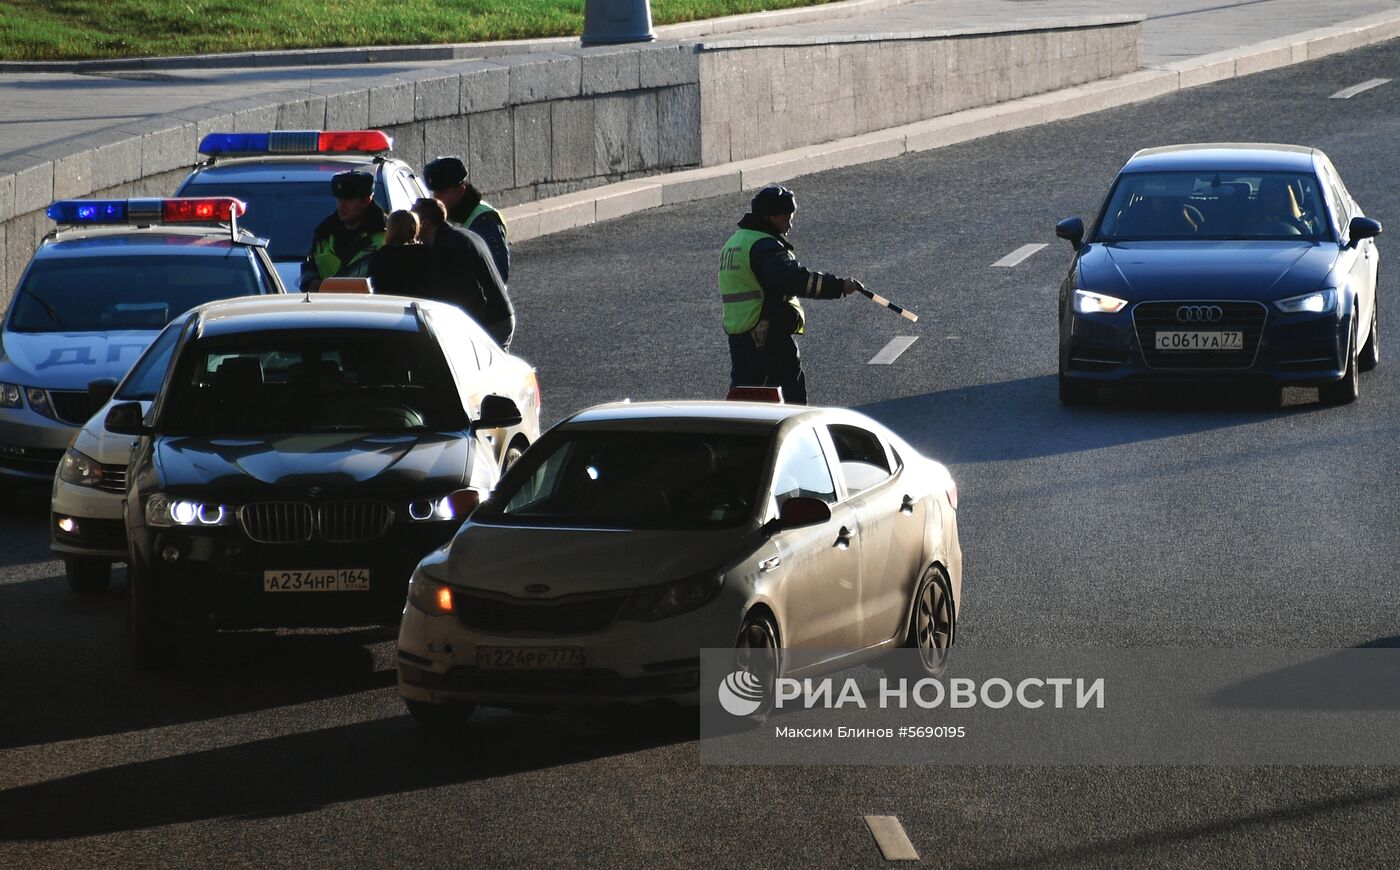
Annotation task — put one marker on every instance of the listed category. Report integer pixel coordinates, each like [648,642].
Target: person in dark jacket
[404,266]
[463,272]
[342,243]
[762,285]
[446,177]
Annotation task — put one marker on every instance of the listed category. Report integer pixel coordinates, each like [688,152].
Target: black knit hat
[773,200]
[444,172]
[352,185]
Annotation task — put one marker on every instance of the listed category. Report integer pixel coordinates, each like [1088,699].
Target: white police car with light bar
[284,176]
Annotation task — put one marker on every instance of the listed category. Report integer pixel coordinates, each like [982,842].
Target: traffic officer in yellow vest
[762,285]
[446,177]
[343,242]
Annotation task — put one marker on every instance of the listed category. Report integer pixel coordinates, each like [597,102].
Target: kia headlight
[1321,302]
[428,595]
[10,396]
[162,510]
[79,468]
[1088,302]
[672,599]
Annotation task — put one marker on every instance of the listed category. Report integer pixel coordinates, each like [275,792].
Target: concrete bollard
[609,22]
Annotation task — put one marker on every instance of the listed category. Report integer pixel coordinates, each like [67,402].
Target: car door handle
[907,506]
[770,564]
[843,538]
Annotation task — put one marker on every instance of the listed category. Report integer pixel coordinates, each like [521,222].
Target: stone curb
[546,216]
[1038,24]
[453,51]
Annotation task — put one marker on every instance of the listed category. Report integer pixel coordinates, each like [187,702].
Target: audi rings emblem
[1200,314]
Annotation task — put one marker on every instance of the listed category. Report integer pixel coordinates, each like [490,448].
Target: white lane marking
[898,345]
[890,837]
[1348,93]
[1018,256]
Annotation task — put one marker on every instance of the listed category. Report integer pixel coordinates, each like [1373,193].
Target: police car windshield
[103,294]
[283,212]
[143,381]
[633,480]
[302,381]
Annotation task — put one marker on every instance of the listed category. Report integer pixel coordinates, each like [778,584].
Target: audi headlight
[9,396]
[162,510]
[1320,302]
[428,595]
[79,468]
[39,402]
[1088,302]
[673,599]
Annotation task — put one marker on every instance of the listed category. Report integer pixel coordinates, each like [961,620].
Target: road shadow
[65,672]
[304,772]
[1365,678]
[1023,418]
[24,513]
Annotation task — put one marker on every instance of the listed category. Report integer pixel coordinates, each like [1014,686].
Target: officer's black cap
[352,185]
[444,172]
[773,200]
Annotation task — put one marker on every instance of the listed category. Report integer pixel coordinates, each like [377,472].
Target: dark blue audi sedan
[1239,262]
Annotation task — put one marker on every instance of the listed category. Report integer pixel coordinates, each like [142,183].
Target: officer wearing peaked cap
[343,242]
[762,285]
[446,177]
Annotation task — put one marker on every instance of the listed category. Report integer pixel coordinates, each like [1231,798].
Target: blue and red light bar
[179,210]
[298,142]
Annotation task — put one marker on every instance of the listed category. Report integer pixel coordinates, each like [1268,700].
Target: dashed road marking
[1018,256]
[890,837]
[1348,93]
[891,351]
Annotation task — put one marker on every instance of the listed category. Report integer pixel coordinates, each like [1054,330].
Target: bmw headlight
[456,506]
[1088,302]
[162,510]
[1321,302]
[79,468]
[673,599]
[9,396]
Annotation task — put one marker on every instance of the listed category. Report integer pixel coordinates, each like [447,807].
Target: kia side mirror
[497,412]
[126,419]
[101,390]
[800,511]
[1072,231]
[1362,228]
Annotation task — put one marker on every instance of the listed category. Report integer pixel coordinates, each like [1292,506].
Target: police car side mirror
[497,412]
[1072,231]
[101,390]
[126,419]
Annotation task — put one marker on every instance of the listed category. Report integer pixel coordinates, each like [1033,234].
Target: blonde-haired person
[403,267]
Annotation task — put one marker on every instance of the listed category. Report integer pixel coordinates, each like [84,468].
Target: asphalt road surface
[1161,520]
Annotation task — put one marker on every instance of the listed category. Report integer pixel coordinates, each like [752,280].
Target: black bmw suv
[298,461]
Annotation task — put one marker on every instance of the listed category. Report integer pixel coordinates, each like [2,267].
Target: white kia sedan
[631,536]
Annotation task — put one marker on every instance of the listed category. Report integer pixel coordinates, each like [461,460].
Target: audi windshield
[1267,206]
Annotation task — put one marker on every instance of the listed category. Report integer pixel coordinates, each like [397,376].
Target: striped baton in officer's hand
[853,284]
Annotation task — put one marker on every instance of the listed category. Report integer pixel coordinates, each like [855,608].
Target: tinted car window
[802,470]
[861,455]
[634,480]
[102,294]
[143,382]
[286,213]
[1281,206]
[295,381]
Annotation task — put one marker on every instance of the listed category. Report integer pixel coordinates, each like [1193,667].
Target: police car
[95,294]
[285,175]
